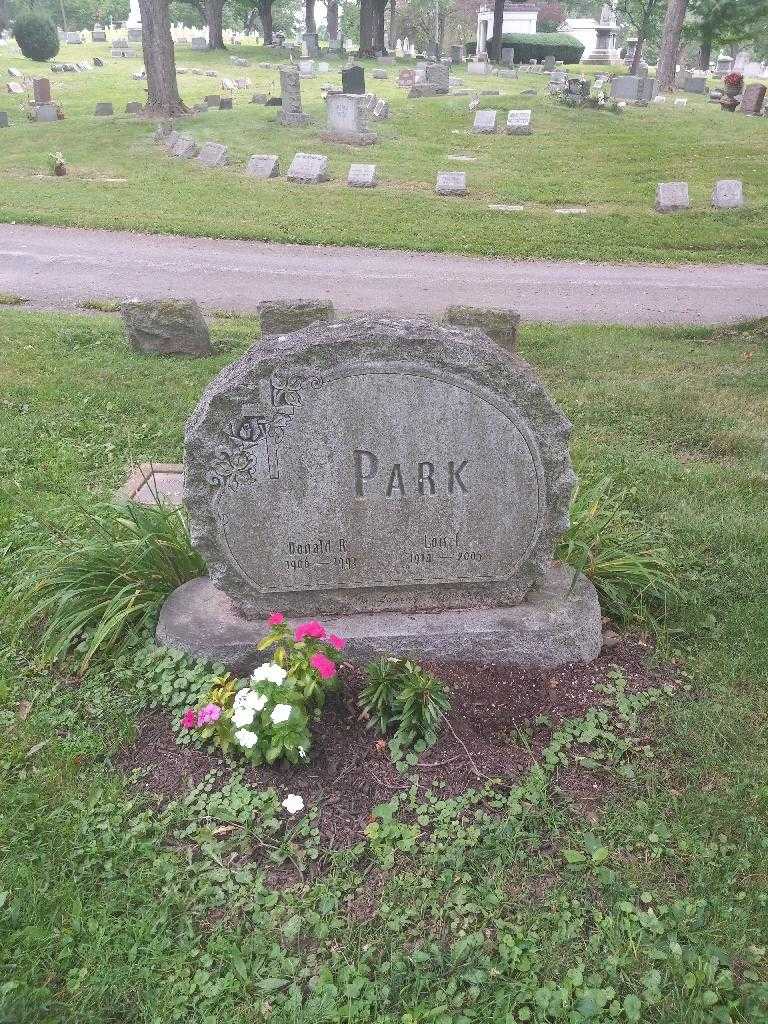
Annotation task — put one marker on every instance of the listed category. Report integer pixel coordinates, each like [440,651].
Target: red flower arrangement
[734,79]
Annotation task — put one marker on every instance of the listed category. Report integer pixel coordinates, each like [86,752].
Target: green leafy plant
[266,718]
[401,695]
[605,541]
[89,585]
[36,35]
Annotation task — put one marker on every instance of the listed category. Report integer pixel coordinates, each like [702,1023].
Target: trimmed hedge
[539,45]
[36,35]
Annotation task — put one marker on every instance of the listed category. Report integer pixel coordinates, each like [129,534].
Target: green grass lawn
[648,905]
[611,164]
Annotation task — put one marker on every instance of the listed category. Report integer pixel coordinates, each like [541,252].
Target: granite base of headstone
[45,113]
[409,535]
[104,110]
[166,327]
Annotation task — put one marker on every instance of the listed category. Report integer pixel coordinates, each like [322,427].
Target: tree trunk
[366,29]
[309,16]
[705,50]
[392,23]
[440,30]
[379,25]
[642,35]
[494,48]
[332,19]
[213,15]
[63,16]
[3,15]
[670,45]
[163,98]
[265,15]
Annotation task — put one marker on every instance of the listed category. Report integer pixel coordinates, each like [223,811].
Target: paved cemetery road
[55,268]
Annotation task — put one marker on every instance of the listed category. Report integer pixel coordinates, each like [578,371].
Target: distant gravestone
[381,111]
[672,196]
[291,113]
[427,536]
[680,103]
[306,68]
[262,165]
[451,183]
[104,109]
[213,154]
[353,80]
[695,84]
[457,54]
[406,79]
[46,113]
[549,62]
[4,122]
[199,43]
[166,327]
[752,99]
[308,169]
[728,194]
[478,67]
[123,53]
[134,107]
[381,74]
[437,76]
[485,122]
[347,120]
[15,89]
[226,103]
[508,56]
[212,101]
[184,148]
[519,122]
[284,317]
[362,175]
[99,36]
[41,88]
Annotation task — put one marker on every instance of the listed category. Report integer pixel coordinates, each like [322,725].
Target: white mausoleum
[600,38]
[517,18]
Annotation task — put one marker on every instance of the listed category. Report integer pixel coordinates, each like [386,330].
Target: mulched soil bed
[350,769]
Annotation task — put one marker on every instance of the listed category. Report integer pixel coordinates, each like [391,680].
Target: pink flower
[336,641]
[324,665]
[276,619]
[209,714]
[189,719]
[311,629]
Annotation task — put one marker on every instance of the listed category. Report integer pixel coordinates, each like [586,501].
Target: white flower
[302,752]
[293,803]
[246,738]
[251,699]
[243,716]
[281,713]
[270,673]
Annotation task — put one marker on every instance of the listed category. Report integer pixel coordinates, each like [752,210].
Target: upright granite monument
[404,481]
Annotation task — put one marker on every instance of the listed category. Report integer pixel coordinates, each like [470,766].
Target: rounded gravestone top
[376,464]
